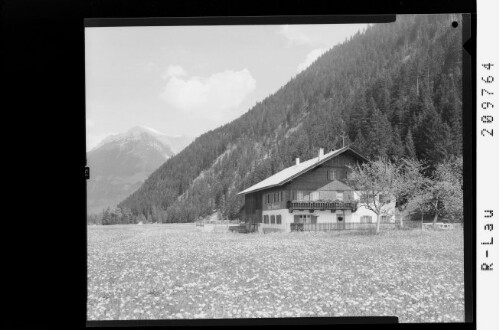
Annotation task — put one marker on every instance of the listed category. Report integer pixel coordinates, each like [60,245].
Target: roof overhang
[311,167]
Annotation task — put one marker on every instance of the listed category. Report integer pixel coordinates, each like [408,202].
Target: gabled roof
[294,171]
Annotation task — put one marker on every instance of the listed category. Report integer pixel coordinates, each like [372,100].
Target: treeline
[393,91]
[118,215]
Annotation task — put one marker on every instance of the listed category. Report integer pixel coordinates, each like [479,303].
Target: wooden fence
[217,222]
[364,226]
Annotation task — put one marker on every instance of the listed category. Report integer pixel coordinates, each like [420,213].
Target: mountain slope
[394,90]
[120,164]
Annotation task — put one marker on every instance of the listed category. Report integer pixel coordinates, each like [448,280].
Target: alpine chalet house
[313,193]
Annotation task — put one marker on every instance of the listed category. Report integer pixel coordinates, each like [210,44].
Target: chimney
[297,161]
[321,153]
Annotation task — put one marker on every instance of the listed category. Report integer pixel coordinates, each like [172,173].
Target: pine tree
[434,137]
[360,143]
[223,210]
[106,216]
[380,135]
[396,147]
[410,149]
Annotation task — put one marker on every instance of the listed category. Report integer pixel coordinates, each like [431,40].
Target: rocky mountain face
[121,163]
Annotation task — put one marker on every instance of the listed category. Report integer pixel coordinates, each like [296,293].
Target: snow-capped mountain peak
[121,162]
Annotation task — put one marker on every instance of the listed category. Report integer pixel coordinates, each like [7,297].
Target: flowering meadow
[175,271]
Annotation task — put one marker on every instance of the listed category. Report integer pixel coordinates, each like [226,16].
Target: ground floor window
[366,219]
[385,219]
[305,218]
[272,219]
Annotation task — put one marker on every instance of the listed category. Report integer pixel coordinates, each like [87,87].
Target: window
[314,195]
[302,218]
[265,219]
[385,219]
[272,219]
[366,219]
[339,195]
[337,174]
[275,197]
[278,219]
[281,199]
[299,195]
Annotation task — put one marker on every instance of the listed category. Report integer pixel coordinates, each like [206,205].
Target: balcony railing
[321,205]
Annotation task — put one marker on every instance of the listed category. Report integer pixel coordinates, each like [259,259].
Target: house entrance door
[314,219]
[341,222]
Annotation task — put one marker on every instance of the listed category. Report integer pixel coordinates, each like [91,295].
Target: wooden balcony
[321,205]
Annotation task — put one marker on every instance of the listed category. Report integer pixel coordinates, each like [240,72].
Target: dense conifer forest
[393,90]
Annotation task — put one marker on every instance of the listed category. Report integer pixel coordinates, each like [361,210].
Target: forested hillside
[393,90]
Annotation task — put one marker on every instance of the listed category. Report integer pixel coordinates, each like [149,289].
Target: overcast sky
[188,80]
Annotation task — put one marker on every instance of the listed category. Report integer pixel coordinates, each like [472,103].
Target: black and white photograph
[276,171]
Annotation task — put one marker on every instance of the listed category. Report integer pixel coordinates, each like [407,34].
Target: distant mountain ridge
[175,142]
[121,162]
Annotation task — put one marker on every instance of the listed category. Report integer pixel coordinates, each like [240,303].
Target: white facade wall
[325,216]
[388,209]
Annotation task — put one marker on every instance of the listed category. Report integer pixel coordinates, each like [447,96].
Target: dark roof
[295,171]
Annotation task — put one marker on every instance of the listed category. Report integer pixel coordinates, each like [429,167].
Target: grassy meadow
[175,271]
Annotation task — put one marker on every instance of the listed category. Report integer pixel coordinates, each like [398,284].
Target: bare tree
[420,200]
[411,185]
[446,189]
[439,194]
[376,183]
